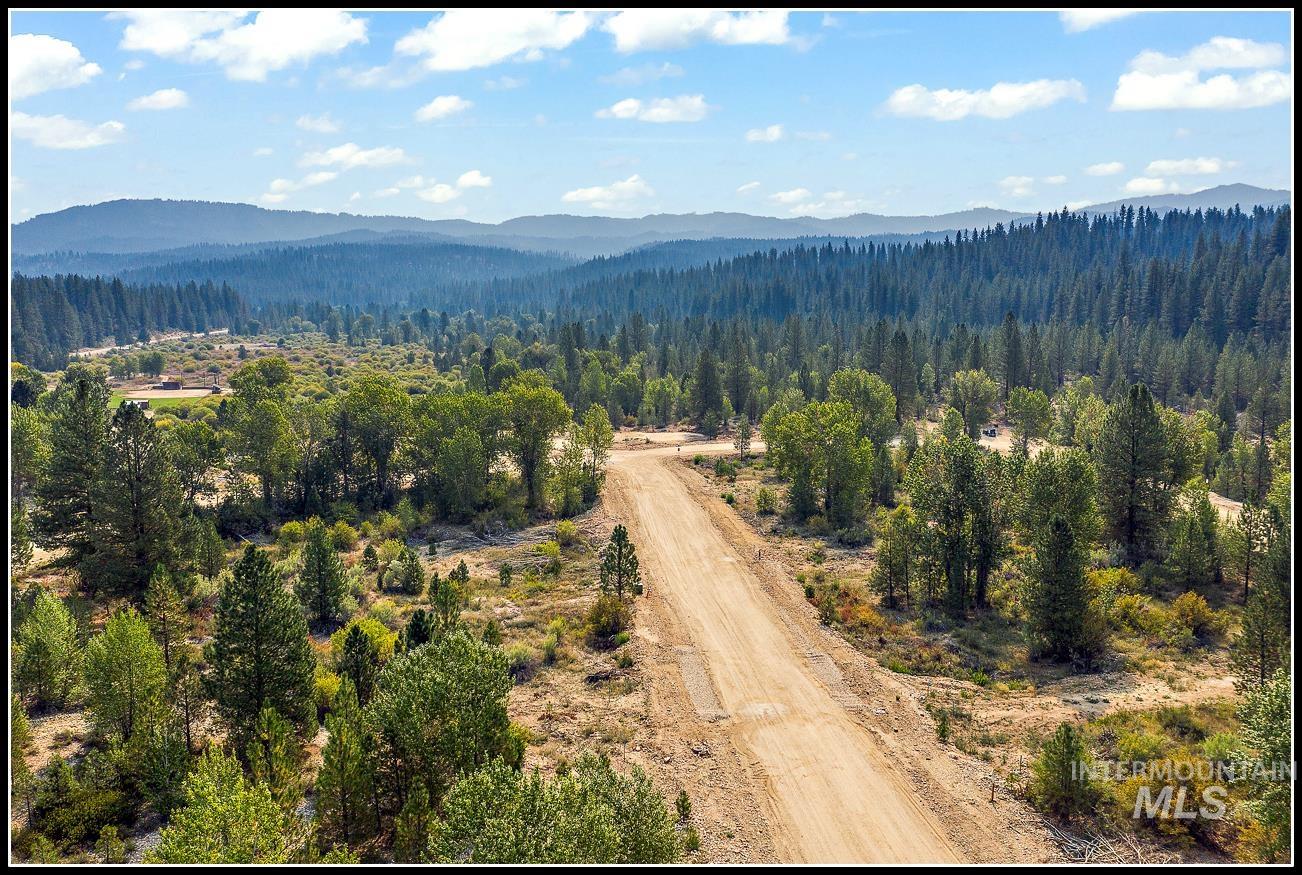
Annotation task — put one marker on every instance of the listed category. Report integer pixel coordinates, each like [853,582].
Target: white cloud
[40,63]
[1159,81]
[350,155]
[639,30]
[747,188]
[279,190]
[164,98]
[1077,20]
[1059,179]
[474,179]
[61,132]
[263,152]
[442,107]
[1143,185]
[794,196]
[1017,186]
[355,196]
[630,77]
[771,134]
[1105,168]
[246,49]
[464,40]
[318,124]
[617,195]
[684,108]
[802,202]
[1003,100]
[1188,166]
[439,193]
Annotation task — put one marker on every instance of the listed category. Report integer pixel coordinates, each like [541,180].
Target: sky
[490,115]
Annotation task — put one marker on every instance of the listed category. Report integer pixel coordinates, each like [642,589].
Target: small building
[171,384]
[142,403]
[989,431]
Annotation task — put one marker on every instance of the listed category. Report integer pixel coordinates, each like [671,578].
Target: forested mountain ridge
[1227,271]
[137,226]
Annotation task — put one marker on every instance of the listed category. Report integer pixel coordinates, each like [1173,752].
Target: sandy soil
[95,352]
[838,762]
[1226,507]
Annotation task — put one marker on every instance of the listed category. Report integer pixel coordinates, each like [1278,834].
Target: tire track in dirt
[828,790]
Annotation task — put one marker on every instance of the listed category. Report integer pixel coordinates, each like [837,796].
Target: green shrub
[607,617]
[567,533]
[766,501]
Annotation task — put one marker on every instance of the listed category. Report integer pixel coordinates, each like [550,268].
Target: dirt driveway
[828,788]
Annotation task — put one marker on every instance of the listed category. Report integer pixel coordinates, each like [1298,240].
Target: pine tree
[360,662]
[168,619]
[211,551]
[406,575]
[46,655]
[1262,645]
[20,537]
[1060,775]
[619,565]
[344,783]
[321,584]
[1060,621]
[135,501]
[261,654]
[1132,458]
[275,759]
[414,827]
[125,675]
[78,438]
[707,393]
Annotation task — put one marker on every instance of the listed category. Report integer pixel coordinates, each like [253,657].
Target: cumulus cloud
[164,98]
[1159,81]
[39,63]
[640,30]
[280,189]
[1188,166]
[1058,179]
[439,193]
[1105,168]
[1144,185]
[1002,100]
[617,195]
[684,108]
[247,49]
[474,179]
[61,132]
[803,202]
[351,155]
[443,106]
[464,40]
[633,76]
[1017,186]
[1077,20]
[318,124]
[792,196]
[771,134]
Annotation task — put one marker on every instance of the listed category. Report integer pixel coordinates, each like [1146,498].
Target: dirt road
[829,790]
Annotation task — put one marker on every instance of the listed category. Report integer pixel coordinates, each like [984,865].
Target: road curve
[831,794]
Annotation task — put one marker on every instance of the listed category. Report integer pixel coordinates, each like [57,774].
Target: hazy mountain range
[149,226]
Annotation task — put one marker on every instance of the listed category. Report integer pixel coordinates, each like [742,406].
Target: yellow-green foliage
[383,639]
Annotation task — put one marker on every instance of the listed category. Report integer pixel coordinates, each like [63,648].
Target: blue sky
[492,115]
